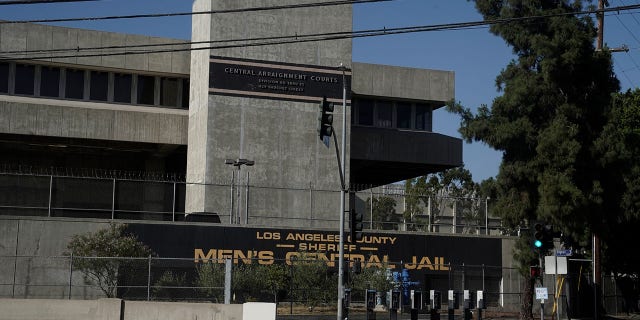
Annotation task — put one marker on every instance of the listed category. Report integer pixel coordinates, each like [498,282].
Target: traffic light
[325,119]
[355,225]
[542,237]
[535,272]
[357,266]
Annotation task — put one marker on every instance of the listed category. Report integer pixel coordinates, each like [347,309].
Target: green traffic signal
[537,243]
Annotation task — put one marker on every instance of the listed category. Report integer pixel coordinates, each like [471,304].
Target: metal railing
[114,196]
[184,279]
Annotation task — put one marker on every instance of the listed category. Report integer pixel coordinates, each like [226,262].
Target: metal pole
[50,194]
[429,209]
[233,179]
[342,196]
[486,216]
[149,279]
[70,273]
[173,205]
[227,281]
[237,217]
[594,260]
[113,200]
[556,295]
[246,201]
[371,208]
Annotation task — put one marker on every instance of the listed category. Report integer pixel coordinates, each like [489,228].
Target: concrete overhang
[435,87]
[382,156]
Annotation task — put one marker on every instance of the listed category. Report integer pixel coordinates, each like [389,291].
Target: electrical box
[480,300]
[468,299]
[347,297]
[434,299]
[416,300]
[370,299]
[395,300]
[453,300]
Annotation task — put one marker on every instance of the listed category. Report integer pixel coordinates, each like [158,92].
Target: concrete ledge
[117,309]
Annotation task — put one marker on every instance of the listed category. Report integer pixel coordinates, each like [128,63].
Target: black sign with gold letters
[410,251]
[276,80]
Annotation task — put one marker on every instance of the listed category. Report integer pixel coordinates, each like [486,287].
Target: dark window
[403,114]
[423,117]
[384,114]
[365,112]
[99,86]
[146,92]
[169,92]
[74,88]
[185,94]
[25,76]
[122,88]
[50,82]
[4,77]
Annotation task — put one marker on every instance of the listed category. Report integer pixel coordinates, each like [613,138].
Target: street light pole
[237,163]
[342,197]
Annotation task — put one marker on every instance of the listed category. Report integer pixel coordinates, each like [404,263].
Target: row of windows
[392,114]
[102,86]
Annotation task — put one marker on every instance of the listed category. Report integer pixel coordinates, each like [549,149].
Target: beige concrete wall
[403,83]
[116,309]
[90,120]
[20,38]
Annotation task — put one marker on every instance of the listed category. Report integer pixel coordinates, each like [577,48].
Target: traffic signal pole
[342,197]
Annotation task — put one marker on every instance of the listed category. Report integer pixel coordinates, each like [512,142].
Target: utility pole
[343,192]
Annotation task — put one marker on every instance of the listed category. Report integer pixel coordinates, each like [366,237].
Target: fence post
[50,195]
[113,200]
[227,281]
[70,273]
[149,279]
[233,182]
[371,207]
[310,201]
[173,206]
[483,277]
[246,201]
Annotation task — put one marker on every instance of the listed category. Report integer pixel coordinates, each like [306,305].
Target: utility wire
[302,38]
[157,15]
[10,2]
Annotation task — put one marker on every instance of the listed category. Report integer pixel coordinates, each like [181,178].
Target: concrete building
[114,105]
[117,126]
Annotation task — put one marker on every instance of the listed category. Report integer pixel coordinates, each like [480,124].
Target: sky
[475,55]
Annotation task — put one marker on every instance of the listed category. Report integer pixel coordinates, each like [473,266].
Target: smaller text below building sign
[275,80]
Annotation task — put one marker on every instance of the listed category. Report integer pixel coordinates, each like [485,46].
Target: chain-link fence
[301,281]
[237,201]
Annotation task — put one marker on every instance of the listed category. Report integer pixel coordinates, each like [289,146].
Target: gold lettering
[198,255]
[411,265]
[265,257]
[425,263]
[374,261]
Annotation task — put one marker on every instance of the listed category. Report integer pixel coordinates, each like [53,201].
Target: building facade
[127,103]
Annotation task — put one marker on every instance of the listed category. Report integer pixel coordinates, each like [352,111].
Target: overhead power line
[279,40]
[176,14]
[13,2]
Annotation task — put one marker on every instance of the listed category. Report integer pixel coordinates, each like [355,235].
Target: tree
[312,281]
[376,278]
[103,257]
[430,192]
[619,147]
[554,105]
[210,280]
[384,212]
